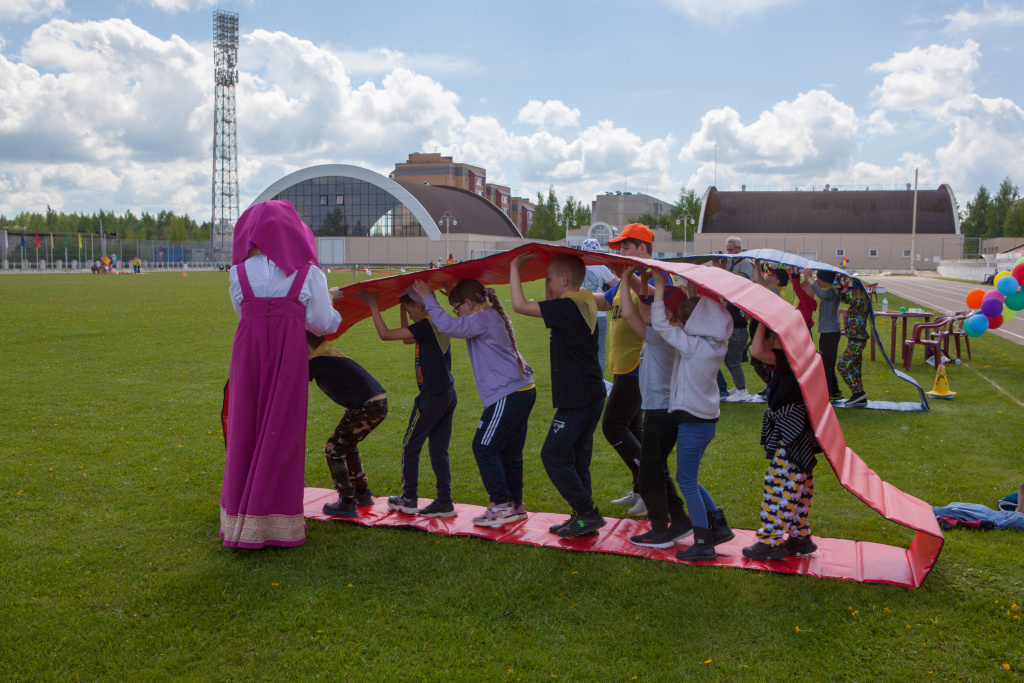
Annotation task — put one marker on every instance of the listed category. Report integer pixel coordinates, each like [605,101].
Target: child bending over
[348,384]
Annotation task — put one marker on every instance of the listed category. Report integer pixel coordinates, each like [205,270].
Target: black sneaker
[409,506]
[437,509]
[344,507]
[584,525]
[679,530]
[364,499]
[838,396]
[800,545]
[858,399]
[763,551]
[655,538]
[572,519]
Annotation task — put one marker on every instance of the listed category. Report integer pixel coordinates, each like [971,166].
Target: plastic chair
[921,335]
[955,330]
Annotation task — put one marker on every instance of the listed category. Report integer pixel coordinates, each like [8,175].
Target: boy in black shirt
[348,384]
[577,384]
[432,410]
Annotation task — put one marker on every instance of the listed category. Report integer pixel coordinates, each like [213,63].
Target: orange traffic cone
[941,388]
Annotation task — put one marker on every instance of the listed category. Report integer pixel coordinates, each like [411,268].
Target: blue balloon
[977,324]
[1008,285]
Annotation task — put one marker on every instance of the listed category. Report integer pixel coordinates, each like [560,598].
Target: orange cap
[637,231]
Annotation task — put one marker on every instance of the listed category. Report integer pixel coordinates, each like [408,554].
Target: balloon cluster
[996,306]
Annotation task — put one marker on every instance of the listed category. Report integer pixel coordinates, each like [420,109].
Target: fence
[977,271]
[155,254]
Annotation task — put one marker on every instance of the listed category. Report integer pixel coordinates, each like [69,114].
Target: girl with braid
[856,337]
[505,384]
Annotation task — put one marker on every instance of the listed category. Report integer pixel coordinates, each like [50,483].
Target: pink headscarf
[275,229]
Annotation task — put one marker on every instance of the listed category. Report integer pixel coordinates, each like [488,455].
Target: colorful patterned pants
[850,364]
[343,447]
[787,501]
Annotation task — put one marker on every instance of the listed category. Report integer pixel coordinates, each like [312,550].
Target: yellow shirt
[623,343]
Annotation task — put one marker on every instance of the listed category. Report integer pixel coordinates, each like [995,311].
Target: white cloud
[24,10]
[175,6]
[923,78]
[717,11]
[877,124]
[382,60]
[987,139]
[965,20]
[806,137]
[552,114]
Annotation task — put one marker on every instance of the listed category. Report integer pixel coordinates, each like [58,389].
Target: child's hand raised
[368,297]
[659,278]
[335,294]
[422,289]
[523,259]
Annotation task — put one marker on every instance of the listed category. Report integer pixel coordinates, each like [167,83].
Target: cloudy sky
[109,104]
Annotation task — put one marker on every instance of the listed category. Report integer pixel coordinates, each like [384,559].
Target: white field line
[1004,392]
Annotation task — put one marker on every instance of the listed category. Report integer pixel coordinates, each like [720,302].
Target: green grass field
[112,567]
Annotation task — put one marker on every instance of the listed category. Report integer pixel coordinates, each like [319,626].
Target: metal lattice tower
[225,142]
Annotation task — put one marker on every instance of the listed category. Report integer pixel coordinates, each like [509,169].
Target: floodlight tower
[225,143]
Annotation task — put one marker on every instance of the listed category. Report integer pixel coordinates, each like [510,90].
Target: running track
[943,296]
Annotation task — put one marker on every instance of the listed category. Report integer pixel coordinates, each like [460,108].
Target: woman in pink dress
[278,292]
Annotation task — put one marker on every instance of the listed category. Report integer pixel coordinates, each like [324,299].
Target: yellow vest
[623,343]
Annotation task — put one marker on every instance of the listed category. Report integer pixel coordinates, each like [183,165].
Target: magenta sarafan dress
[261,501]
[261,498]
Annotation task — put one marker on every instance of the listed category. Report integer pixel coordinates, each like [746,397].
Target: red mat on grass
[836,558]
[852,560]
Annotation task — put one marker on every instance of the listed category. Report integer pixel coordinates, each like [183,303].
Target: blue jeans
[693,439]
[602,333]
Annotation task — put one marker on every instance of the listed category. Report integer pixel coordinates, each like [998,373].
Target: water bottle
[885,305]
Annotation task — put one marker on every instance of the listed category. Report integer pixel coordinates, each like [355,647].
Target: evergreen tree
[1002,202]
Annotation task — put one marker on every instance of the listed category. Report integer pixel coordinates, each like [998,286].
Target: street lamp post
[447,220]
[567,220]
[685,220]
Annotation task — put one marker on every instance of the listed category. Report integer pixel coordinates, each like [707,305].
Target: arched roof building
[339,200]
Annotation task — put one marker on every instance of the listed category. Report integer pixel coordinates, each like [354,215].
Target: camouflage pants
[850,364]
[343,447]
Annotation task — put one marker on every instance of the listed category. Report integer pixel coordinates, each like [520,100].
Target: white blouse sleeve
[321,318]
[235,291]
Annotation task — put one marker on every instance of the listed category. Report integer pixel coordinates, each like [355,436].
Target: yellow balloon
[1008,313]
[1000,276]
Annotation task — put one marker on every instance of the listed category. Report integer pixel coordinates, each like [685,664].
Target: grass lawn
[112,567]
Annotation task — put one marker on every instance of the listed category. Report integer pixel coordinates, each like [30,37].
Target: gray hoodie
[702,345]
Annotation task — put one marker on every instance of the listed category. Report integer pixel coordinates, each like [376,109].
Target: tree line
[998,215]
[165,225]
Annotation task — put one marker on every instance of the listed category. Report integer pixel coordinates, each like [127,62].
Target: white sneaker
[639,509]
[629,499]
[738,396]
[495,515]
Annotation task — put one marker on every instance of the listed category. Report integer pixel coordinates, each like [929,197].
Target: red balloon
[1018,272]
[975,297]
[994,323]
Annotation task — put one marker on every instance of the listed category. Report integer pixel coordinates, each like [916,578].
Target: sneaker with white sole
[639,508]
[409,506]
[438,509]
[738,396]
[518,513]
[629,499]
[497,515]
